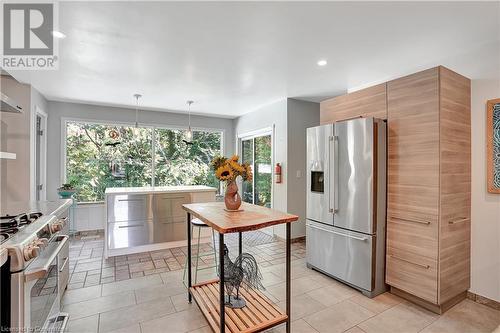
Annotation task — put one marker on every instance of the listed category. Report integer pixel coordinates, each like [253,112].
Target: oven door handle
[64,264]
[39,271]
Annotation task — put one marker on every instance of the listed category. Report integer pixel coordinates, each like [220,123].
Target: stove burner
[8,230]
[4,237]
[11,224]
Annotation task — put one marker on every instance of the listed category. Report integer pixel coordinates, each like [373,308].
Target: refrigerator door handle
[333,168]
[331,199]
[337,233]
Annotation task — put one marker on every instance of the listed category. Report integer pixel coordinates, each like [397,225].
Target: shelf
[9,105]
[7,156]
[259,313]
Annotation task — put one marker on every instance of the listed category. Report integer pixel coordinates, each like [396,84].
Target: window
[101,155]
[180,164]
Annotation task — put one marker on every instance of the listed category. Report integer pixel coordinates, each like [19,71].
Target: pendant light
[137,96]
[189,132]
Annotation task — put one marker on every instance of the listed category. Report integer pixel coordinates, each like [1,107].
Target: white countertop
[160,189]
[45,207]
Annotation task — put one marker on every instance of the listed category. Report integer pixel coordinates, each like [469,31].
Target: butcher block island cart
[259,313]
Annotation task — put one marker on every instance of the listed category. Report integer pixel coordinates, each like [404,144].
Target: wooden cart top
[251,217]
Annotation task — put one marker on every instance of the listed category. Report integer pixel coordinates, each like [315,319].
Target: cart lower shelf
[258,314]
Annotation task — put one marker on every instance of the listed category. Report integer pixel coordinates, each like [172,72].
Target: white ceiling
[232,57]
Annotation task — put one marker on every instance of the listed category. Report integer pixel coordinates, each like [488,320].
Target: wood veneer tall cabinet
[368,102]
[428,212]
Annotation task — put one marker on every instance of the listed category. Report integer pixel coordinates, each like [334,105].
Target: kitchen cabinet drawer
[124,207]
[168,207]
[129,234]
[143,232]
[341,253]
[418,235]
[169,231]
[412,273]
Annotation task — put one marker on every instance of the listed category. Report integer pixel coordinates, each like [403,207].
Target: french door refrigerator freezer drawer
[343,254]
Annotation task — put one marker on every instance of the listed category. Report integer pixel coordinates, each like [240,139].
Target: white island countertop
[160,189]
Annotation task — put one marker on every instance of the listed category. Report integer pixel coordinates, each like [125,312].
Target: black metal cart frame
[221,271]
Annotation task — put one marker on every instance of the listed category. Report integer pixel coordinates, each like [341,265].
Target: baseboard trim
[293,240]
[436,308]
[483,300]
[86,233]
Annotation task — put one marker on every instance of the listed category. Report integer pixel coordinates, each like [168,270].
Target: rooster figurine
[243,270]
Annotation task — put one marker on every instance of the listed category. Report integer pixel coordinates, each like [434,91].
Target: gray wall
[290,119]
[268,116]
[39,100]
[301,115]
[59,110]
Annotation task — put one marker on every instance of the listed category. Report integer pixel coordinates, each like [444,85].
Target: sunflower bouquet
[228,169]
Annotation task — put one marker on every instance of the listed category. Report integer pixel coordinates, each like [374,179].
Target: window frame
[64,127]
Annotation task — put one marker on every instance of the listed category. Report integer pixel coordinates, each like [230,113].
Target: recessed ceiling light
[322,62]
[58,34]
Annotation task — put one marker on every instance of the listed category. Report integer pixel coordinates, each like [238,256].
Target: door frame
[37,111]
[240,137]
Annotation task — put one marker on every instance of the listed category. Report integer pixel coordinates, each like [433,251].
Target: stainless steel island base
[149,219]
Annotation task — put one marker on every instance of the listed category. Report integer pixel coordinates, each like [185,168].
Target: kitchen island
[259,313]
[141,219]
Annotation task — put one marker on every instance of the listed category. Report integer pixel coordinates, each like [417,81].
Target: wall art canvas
[493,145]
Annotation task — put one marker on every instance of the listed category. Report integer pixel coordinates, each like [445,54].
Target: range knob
[31,252]
[56,227]
[41,242]
[35,251]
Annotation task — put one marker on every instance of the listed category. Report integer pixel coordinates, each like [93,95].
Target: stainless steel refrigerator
[346,202]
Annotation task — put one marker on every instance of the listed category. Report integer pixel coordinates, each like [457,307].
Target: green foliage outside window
[100,156]
[258,191]
[263,171]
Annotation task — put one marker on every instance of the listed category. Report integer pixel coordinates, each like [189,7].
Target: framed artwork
[493,145]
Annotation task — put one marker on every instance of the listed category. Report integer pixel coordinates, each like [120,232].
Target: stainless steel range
[36,246]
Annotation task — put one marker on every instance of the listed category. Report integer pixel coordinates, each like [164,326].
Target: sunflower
[234,158]
[224,172]
[217,162]
[236,166]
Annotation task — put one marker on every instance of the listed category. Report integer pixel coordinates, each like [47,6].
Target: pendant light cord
[189,113]
[137,96]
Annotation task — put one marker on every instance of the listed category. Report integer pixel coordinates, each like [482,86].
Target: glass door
[247,157]
[257,151]
[263,175]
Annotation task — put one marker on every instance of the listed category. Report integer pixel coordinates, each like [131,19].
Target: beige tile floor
[158,303]
[89,268]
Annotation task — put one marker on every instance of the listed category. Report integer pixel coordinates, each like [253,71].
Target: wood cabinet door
[412,273]
[455,186]
[413,147]
[369,102]
[413,174]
